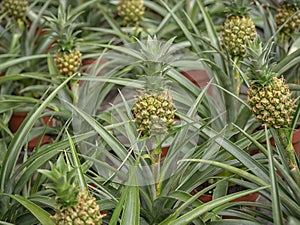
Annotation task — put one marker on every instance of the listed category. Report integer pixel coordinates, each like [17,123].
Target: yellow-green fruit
[154,113]
[237,31]
[15,8]
[131,11]
[85,211]
[288,16]
[272,103]
[68,62]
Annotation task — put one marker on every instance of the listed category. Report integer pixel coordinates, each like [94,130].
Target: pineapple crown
[294,4]
[64,28]
[157,57]
[236,7]
[63,178]
[260,70]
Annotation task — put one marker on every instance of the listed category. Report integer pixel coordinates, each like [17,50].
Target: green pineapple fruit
[131,11]
[15,8]
[74,206]
[154,112]
[63,30]
[268,96]
[288,13]
[68,62]
[238,29]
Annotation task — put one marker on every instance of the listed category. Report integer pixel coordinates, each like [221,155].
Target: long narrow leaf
[276,204]
[77,163]
[183,27]
[19,139]
[233,222]
[42,215]
[5,65]
[131,211]
[235,170]
[113,142]
[193,214]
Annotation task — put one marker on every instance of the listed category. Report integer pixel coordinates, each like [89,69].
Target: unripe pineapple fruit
[15,8]
[74,205]
[68,62]
[85,211]
[154,112]
[289,15]
[272,103]
[131,11]
[236,33]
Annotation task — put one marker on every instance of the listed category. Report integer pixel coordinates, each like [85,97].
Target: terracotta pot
[164,151]
[87,64]
[41,34]
[16,120]
[198,77]
[295,142]
[253,197]
[1,75]
[247,198]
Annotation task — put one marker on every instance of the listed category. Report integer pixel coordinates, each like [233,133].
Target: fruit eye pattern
[15,9]
[68,62]
[236,33]
[272,104]
[85,211]
[131,11]
[289,16]
[154,113]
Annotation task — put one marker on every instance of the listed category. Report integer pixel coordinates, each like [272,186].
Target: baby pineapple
[269,97]
[15,8]
[154,112]
[238,29]
[131,11]
[288,13]
[74,206]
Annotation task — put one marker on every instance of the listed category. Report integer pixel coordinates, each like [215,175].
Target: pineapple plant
[62,28]
[154,109]
[268,95]
[238,29]
[15,8]
[74,205]
[131,11]
[288,16]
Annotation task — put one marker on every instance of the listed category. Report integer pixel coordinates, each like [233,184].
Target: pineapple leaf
[41,214]
[76,161]
[63,178]
[260,66]
[236,7]
[64,28]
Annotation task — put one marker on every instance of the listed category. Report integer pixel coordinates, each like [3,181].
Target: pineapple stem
[296,174]
[74,85]
[156,155]
[287,143]
[237,77]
